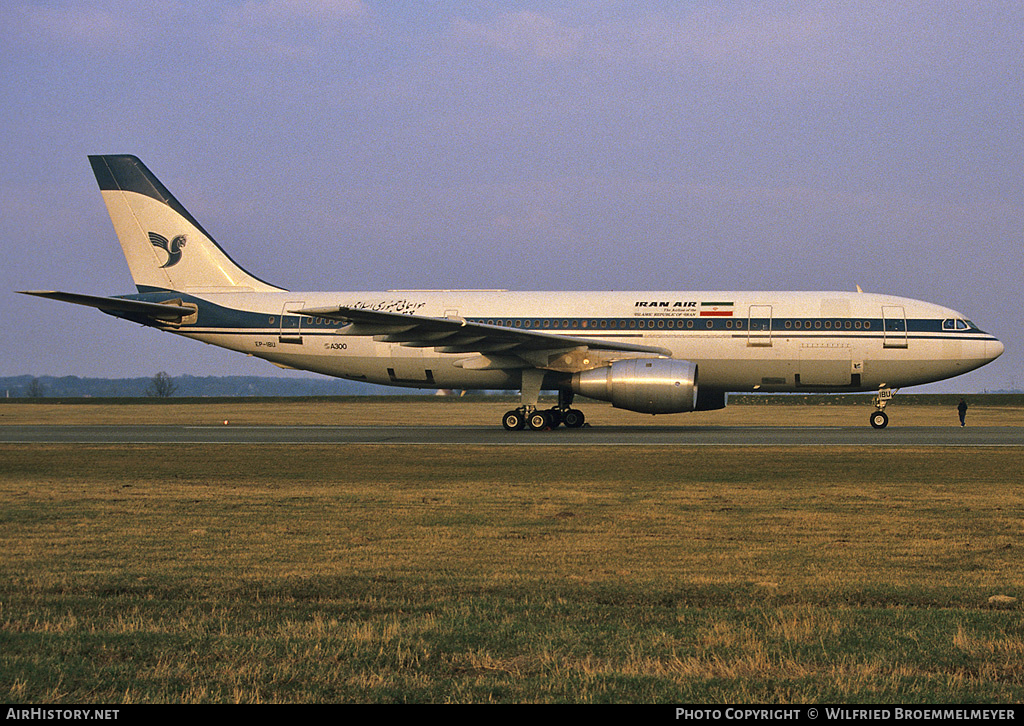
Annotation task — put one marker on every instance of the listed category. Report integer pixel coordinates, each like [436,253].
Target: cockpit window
[957,324]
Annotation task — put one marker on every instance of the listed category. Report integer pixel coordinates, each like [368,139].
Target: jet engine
[647,385]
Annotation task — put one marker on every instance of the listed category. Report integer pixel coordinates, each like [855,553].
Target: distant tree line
[163,385]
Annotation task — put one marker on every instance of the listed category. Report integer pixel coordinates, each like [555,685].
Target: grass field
[453,574]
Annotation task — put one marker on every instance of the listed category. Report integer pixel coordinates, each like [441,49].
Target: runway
[754,436]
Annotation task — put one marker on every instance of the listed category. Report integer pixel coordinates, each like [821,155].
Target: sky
[370,145]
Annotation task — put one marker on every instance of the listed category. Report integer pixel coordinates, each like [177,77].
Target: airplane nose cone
[993,349]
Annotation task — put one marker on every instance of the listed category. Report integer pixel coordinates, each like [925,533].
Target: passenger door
[759,326]
[894,326]
[291,325]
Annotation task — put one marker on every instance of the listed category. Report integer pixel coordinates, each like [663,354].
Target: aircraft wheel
[573,418]
[879,420]
[539,420]
[514,421]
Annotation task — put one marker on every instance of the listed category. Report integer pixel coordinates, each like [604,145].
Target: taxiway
[768,436]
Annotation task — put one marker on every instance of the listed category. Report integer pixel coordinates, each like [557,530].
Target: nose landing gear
[880,419]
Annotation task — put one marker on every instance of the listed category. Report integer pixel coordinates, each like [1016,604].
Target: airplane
[651,352]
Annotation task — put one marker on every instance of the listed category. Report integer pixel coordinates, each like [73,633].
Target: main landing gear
[541,420]
[529,416]
[879,419]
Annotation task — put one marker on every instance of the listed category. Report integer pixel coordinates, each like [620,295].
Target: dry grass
[446,574]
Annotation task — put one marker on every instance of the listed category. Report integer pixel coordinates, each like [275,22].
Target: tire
[573,418]
[513,421]
[539,420]
[879,420]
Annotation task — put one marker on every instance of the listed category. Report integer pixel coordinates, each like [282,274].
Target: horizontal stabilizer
[160,311]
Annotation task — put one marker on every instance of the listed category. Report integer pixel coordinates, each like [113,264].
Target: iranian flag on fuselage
[716,309]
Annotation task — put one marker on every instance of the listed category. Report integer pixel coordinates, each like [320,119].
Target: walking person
[962,410]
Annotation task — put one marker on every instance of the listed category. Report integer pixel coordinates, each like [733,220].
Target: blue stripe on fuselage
[214,318]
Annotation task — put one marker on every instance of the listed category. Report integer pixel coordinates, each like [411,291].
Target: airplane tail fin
[166,248]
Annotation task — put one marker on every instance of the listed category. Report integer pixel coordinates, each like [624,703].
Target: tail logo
[172,247]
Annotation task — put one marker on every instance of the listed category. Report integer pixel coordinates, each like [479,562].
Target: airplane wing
[494,346]
[115,305]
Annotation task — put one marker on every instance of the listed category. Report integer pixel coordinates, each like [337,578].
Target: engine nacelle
[647,385]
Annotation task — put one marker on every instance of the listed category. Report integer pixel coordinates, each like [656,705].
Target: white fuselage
[742,341]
